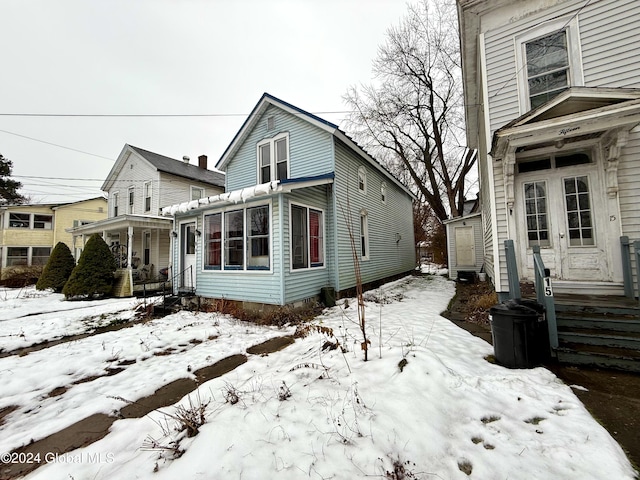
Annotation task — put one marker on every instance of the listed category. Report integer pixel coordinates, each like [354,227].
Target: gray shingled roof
[180,168]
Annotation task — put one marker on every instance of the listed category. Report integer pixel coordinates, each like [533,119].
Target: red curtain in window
[314,237]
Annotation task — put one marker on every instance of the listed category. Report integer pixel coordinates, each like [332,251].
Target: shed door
[465,246]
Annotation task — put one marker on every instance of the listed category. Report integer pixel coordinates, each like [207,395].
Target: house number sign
[548,291]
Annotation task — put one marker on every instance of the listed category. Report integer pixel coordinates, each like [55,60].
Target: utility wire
[56,145]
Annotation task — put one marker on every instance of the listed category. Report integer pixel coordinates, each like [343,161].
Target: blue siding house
[296,186]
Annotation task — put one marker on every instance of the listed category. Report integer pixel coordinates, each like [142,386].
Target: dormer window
[273,159]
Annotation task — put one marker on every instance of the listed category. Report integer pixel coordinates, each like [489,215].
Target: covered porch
[141,246]
[558,169]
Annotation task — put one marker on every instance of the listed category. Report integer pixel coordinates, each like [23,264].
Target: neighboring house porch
[140,244]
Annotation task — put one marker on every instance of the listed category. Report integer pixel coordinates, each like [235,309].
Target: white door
[465,246]
[563,213]
[188,249]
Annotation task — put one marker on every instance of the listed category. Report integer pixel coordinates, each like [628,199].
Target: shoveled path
[96,427]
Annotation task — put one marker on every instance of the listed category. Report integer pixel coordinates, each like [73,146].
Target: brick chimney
[202,161]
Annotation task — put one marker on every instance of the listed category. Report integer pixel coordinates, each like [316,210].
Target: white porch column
[129,245]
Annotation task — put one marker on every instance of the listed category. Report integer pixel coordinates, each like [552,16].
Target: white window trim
[364,233]
[191,190]
[324,237]
[222,211]
[115,196]
[273,166]
[131,207]
[576,77]
[362,172]
[148,185]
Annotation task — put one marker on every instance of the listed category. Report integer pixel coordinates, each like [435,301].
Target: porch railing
[172,281]
[544,296]
[627,269]
[512,270]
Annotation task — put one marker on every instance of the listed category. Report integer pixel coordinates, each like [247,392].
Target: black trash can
[520,333]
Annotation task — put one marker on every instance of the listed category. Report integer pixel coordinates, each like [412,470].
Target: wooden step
[619,361]
[610,322]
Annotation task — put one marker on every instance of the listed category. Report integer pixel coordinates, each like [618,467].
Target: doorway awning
[599,115]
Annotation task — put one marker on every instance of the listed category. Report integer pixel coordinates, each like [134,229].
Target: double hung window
[131,209]
[307,237]
[364,235]
[147,196]
[273,159]
[547,67]
[548,62]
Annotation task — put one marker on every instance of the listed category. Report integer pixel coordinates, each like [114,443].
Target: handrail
[512,270]
[172,282]
[627,271]
[544,296]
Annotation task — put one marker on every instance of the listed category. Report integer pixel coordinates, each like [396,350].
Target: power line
[149,115]
[56,145]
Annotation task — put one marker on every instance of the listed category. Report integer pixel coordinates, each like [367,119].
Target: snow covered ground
[426,405]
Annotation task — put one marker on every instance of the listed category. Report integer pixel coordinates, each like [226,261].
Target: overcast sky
[166,57]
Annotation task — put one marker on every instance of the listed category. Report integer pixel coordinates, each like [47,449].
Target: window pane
[197,193]
[547,53]
[316,247]
[299,255]
[258,226]
[44,222]
[234,239]
[281,150]
[190,245]
[265,155]
[364,236]
[213,239]
[548,82]
[17,256]
[579,223]
[536,207]
[19,220]
[282,171]
[40,255]
[265,163]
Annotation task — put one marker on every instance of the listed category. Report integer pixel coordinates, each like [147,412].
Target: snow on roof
[235,196]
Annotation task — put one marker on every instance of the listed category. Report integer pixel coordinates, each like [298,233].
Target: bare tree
[413,115]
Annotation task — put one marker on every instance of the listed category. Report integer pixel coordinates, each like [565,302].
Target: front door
[563,213]
[188,249]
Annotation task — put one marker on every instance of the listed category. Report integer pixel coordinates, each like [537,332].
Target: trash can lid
[517,307]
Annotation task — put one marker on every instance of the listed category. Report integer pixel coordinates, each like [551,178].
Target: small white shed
[464,244]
